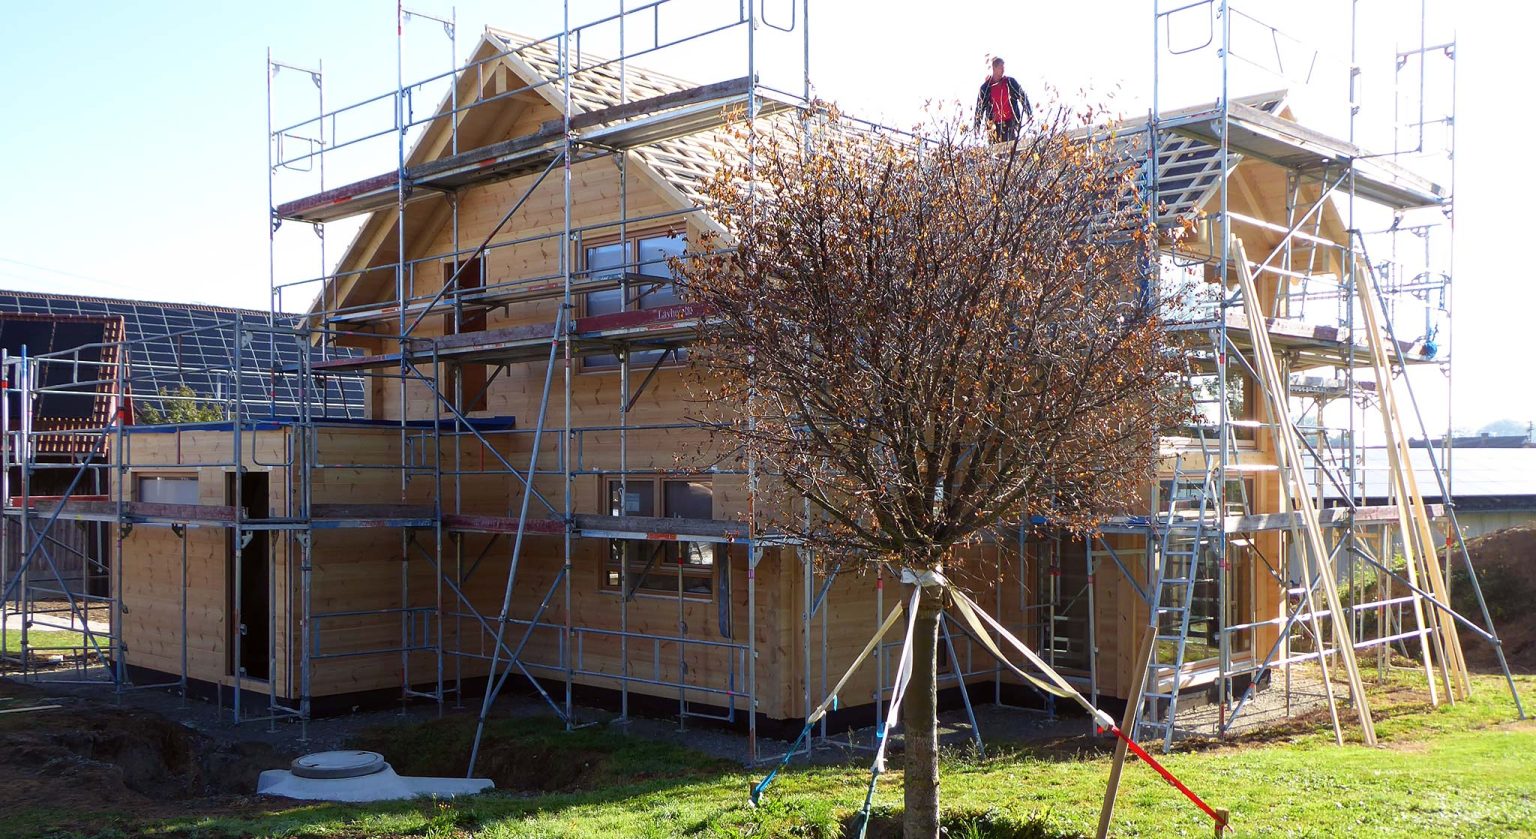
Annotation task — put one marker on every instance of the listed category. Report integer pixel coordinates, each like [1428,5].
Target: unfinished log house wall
[151,556]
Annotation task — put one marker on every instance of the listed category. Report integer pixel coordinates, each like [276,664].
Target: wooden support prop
[1128,723]
[1418,536]
[30,708]
[1289,456]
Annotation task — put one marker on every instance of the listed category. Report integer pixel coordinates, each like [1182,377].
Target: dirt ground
[1506,567]
[148,754]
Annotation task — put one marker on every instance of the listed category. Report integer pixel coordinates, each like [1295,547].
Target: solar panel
[172,345]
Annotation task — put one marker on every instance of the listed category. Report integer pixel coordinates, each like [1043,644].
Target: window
[1186,291]
[631,262]
[1186,498]
[166,489]
[1207,614]
[1205,395]
[661,567]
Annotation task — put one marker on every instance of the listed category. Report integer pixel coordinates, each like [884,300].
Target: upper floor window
[632,263]
[1206,397]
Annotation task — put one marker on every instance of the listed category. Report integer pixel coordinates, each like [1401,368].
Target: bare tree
[928,337]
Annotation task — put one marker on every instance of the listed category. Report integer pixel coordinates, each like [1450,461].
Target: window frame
[667,564]
[1248,407]
[631,260]
[138,478]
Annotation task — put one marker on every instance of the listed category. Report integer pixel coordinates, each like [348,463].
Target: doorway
[248,579]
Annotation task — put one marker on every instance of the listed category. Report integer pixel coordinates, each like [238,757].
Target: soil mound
[84,757]
[1506,567]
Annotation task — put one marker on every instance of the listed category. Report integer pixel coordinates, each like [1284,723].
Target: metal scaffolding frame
[1319,171]
[1202,144]
[582,134]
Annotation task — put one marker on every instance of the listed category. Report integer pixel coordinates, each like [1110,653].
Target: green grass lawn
[46,640]
[1465,770]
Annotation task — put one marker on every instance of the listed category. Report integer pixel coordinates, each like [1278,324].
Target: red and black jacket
[1017,99]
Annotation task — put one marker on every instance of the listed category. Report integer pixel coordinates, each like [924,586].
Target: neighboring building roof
[174,344]
[55,405]
[1478,476]
[1478,441]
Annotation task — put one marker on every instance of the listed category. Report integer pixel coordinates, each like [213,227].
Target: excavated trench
[72,758]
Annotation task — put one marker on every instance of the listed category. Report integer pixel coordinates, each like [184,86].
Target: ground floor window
[661,567]
[1209,610]
[165,489]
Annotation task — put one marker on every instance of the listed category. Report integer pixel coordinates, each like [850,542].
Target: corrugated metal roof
[1474,472]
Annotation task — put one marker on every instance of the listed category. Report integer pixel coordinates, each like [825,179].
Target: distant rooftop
[175,344]
[1480,441]
[1482,478]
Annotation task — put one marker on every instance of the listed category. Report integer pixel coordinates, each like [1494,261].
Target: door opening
[248,580]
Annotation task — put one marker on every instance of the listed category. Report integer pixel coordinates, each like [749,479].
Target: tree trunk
[920,720]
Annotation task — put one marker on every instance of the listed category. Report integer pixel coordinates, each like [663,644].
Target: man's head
[997,68]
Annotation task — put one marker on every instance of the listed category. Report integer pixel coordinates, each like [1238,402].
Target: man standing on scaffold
[1000,102]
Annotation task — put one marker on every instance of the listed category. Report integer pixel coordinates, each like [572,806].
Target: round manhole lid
[344,764]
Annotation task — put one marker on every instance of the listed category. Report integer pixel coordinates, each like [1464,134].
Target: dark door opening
[250,603]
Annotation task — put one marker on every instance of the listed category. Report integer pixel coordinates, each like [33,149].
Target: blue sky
[136,131]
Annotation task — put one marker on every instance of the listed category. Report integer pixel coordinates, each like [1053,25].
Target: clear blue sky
[136,131]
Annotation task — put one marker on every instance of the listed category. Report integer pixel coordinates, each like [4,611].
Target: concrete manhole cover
[345,764]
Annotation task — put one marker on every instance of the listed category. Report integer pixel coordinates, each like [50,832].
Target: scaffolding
[1330,315]
[608,111]
[427,355]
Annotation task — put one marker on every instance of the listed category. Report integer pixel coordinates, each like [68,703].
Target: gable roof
[677,158]
[678,163]
[684,163]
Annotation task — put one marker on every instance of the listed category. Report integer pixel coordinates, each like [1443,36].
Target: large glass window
[166,489]
[1187,293]
[1206,395]
[632,263]
[661,567]
[1209,612]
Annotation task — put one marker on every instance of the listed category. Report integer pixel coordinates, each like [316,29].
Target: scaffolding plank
[139,510]
[530,342]
[342,201]
[465,523]
[1257,133]
[661,529]
[643,121]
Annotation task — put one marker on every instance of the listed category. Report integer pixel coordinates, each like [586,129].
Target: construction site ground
[147,764]
[1506,569]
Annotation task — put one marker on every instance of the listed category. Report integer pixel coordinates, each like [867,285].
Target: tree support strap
[980,626]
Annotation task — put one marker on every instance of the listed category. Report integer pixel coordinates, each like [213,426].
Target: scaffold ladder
[1180,546]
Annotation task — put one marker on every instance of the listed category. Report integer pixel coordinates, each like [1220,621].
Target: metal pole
[754,556]
[5,493]
[568,312]
[1222,370]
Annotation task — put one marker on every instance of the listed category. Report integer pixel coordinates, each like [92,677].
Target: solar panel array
[171,345]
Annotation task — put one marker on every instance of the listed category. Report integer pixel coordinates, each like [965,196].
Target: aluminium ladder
[1184,541]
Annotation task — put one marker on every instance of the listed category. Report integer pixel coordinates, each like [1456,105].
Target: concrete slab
[383,785]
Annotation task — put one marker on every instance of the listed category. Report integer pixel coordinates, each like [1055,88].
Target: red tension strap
[1221,823]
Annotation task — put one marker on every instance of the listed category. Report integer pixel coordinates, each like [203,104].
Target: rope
[981,626]
[892,713]
[1221,822]
[830,701]
[968,609]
